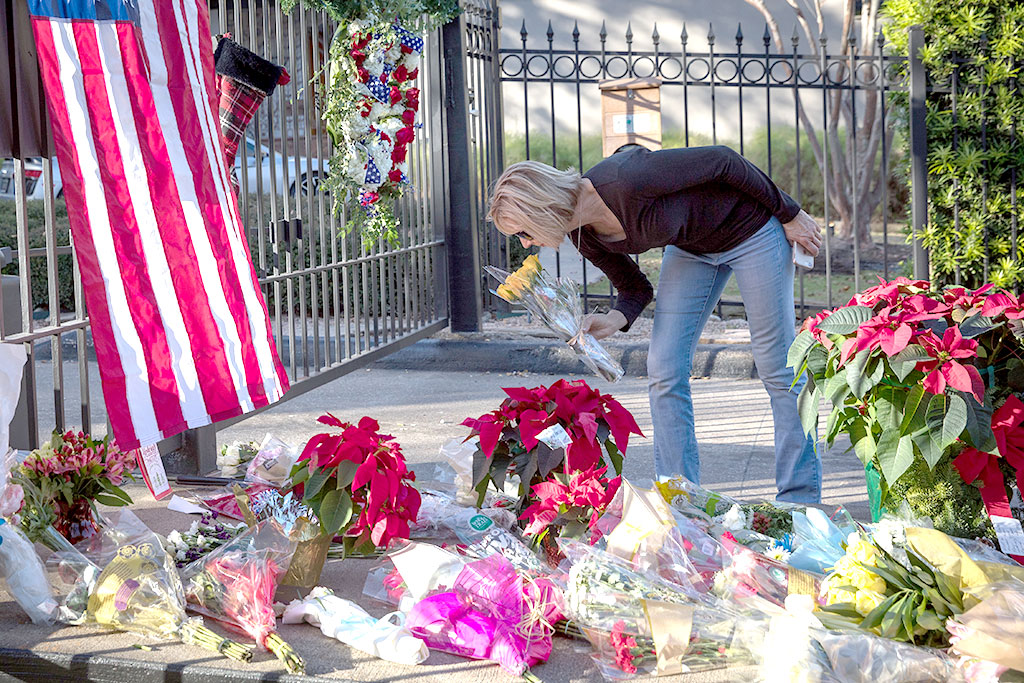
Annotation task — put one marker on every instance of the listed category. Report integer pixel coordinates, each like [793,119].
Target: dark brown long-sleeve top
[701,199]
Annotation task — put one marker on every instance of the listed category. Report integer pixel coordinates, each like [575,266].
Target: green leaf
[613,454]
[928,446]
[855,376]
[498,470]
[892,621]
[807,405]
[837,388]
[346,473]
[817,361]
[906,616]
[873,618]
[300,473]
[799,348]
[979,423]
[863,441]
[977,325]
[481,465]
[914,410]
[936,414]
[315,483]
[889,403]
[846,320]
[895,455]
[112,501]
[904,362]
[955,422]
[843,609]
[335,511]
[928,619]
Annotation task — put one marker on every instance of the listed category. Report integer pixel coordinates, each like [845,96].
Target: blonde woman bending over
[716,214]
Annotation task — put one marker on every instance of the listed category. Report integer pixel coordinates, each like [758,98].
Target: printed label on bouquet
[800,583]
[670,625]
[153,472]
[480,522]
[555,436]
[1010,534]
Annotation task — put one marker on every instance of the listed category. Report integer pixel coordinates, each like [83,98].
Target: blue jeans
[689,287]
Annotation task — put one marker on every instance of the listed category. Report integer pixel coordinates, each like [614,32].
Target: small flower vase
[307,563]
[76,521]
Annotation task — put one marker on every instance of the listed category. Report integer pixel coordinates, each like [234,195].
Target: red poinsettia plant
[912,371]
[560,442]
[356,482]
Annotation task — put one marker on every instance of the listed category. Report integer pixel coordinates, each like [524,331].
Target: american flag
[179,325]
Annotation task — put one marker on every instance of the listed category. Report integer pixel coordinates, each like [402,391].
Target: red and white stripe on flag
[179,324]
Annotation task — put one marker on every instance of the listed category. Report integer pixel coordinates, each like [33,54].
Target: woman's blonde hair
[535,198]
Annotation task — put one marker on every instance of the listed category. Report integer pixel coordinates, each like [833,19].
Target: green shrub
[971,214]
[36,217]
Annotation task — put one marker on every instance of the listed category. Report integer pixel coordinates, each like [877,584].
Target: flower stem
[283,651]
[531,677]
[197,634]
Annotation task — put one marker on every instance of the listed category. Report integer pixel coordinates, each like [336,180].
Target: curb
[61,667]
[733,361]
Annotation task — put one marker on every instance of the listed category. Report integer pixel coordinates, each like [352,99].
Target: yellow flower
[843,564]
[507,294]
[867,600]
[836,595]
[865,580]
[862,552]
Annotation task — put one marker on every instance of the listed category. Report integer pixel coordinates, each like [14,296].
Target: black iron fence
[820,122]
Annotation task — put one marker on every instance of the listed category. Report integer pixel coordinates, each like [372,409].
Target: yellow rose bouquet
[868,588]
[556,303]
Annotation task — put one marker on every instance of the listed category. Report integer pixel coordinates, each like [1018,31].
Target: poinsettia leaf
[889,407]
[895,454]
[314,484]
[614,456]
[846,320]
[817,361]
[913,413]
[498,470]
[955,421]
[807,405]
[548,459]
[799,348]
[928,446]
[837,388]
[979,423]
[529,468]
[904,362]
[346,472]
[335,511]
[977,325]
[481,465]
[856,376]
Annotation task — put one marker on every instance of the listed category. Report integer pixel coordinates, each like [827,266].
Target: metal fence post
[194,453]
[918,153]
[461,235]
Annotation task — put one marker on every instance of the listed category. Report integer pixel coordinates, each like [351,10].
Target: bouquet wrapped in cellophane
[235,584]
[638,623]
[125,579]
[556,303]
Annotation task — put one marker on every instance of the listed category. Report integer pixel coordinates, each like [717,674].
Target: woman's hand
[805,231]
[601,325]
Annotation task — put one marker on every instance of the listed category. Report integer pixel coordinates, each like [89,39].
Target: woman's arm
[671,170]
[634,290]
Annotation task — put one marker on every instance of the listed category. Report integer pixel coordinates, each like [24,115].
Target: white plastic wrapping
[12,359]
[458,453]
[272,464]
[25,576]
[347,622]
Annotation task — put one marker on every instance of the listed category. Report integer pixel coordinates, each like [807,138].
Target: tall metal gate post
[918,152]
[461,230]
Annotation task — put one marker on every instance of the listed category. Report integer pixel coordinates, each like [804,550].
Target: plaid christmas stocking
[244,79]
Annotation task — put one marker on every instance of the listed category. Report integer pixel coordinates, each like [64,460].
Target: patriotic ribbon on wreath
[975,465]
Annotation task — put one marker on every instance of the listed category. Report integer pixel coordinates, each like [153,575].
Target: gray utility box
[10,304]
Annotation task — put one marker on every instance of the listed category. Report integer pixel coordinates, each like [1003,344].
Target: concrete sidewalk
[422,409]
